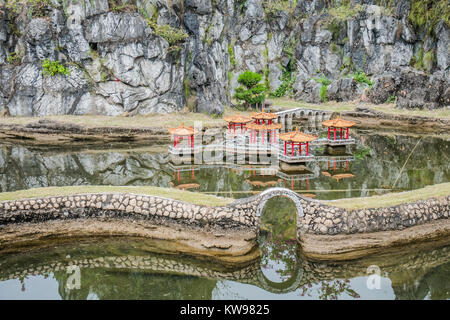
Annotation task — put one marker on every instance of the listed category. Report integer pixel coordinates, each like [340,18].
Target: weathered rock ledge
[316,221]
[368,117]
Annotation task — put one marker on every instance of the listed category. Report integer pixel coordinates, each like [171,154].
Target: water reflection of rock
[378,164]
[127,270]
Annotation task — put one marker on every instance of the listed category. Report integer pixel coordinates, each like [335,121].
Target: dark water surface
[129,268]
[377,164]
[117,268]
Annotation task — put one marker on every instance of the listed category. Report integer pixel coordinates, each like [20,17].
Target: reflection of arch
[294,281]
[281,287]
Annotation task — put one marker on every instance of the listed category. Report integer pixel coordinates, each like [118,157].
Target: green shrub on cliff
[361,77]
[251,90]
[273,7]
[323,89]
[33,8]
[14,58]
[427,13]
[53,68]
[171,34]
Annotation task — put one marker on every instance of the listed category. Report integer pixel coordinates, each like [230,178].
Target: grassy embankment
[175,119]
[350,106]
[390,199]
[139,121]
[191,197]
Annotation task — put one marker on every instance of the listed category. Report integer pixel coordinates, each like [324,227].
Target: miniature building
[263,117]
[267,132]
[297,138]
[237,121]
[182,133]
[338,124]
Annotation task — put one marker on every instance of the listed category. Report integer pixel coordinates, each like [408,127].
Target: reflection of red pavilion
[338,124]
[338,170]
[292,181]
[184,179]
[182,133]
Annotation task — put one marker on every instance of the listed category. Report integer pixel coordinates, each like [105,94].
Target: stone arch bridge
[285,117]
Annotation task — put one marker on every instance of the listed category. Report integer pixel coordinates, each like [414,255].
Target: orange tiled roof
[182,131]
[338,123]
[263,115]
[237,119]
[297,136]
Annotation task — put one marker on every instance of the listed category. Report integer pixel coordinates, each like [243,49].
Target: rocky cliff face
[119,63]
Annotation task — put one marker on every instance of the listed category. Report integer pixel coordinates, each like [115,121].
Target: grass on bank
[386,200]
[287,103]
[139,121]
[191,197]
[393,199]
[175,119]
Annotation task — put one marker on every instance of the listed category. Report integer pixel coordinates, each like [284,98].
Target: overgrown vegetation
[345,10]
[14,58]
[423,61]
[323,89]
[391,99]
[233,62]
[122,6]
[53,68]
[426,14]
[288,77]
[174,36]
[361,153]
[273,7]
[171,34]
[361,77]
[32,8]
[250,91]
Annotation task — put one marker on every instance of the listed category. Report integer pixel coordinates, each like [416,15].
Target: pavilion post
[192,141]
[328,133]
[285,144]
[307,148]
[334,133]
[347,133]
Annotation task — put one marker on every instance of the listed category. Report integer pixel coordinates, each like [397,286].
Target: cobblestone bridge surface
[313,217]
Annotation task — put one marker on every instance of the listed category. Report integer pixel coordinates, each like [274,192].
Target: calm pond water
[117,268]
[374,167]
[127,268]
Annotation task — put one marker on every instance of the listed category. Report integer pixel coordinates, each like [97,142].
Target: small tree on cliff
[250,91]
